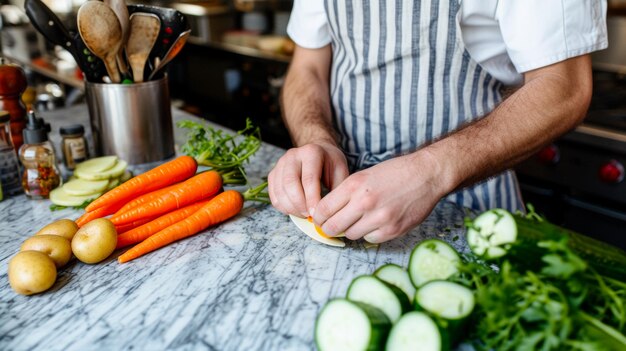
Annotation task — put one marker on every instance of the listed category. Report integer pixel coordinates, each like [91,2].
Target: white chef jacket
[554,30]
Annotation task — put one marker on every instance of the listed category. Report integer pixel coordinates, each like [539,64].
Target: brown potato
[63,227]
[95,241]
[31,272]
[57,247]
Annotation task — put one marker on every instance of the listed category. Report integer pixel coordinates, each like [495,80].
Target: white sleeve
[308,26]
[538,33]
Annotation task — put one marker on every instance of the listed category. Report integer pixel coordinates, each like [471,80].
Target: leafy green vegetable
[221,151]
[565,305]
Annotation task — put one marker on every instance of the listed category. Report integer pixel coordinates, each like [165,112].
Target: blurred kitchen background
[233,66]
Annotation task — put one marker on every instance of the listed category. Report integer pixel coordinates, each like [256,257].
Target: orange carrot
[143,232]
[98,213]
[168,173]
[123,228]
[145,198]
[222,207]
[194,189]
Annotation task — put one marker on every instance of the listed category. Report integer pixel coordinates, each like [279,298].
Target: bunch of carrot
[171,202]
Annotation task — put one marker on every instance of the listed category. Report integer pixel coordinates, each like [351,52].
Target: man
[407,95]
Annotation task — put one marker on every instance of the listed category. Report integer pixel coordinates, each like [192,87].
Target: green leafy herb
[564,305]
[221,151]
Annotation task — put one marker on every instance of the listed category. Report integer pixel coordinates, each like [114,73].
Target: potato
[31,272]
[56,247]
[95,241]
[63,227]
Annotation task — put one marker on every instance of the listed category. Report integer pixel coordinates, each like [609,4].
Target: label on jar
[75,152]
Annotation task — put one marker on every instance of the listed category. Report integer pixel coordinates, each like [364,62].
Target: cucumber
[126,176]
[116,171]
[449,303]
[112,183]
[492,234]
[432,259]
[96,165]
[81,187]
[373,291]
[417,331]
[398,277]
[60,197]
[497,232]
[344,325]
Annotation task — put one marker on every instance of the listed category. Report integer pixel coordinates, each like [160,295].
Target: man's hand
[382,202]
[295,181]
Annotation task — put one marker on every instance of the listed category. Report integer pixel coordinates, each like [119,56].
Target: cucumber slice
[432,259]
[492,234]
[373,291]
[398,277]
[114,172]
[449,303]
[98,164]
[344,325]
[81,187]
[417,331]
[126,176]
[60,197]
[112,183]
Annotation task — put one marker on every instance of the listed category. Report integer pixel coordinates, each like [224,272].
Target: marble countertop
[252,283]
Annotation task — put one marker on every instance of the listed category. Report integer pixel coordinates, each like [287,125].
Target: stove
[578,181]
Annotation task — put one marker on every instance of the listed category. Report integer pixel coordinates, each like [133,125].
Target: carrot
[145,198]
[143,232]
[222,207]
[123,228]
[168,173]
[98,213]
[194,189]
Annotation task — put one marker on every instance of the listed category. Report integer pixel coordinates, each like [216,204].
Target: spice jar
[9,167]
[73,145]
[41,174]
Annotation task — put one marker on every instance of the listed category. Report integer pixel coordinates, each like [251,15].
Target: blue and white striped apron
[401,77]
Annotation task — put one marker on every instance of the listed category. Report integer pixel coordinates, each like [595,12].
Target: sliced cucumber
[417,331]
[126,176]
[492,233]
[344,325]
[449,303]
[81,187]
[432,259]
[112,183]
[398,277]
[96,165]
[60,197]
[373,291]
[114,172]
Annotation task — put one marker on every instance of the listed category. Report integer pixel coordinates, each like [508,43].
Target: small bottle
[74,145]
[9,166]
[41,174]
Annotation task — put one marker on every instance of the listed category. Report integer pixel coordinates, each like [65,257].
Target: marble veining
[252,283]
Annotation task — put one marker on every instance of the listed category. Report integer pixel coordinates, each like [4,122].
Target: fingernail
[371,238]
[311,211]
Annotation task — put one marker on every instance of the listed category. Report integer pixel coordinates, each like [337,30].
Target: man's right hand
[295,182]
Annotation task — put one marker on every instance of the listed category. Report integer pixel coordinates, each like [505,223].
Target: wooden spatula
[144,30]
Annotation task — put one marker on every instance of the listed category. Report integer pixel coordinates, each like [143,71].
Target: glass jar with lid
[73,145]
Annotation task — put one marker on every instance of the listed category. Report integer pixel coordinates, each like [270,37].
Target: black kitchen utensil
[51,27]
[173,23]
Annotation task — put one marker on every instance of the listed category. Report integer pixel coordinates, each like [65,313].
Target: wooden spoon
[121,11]
[144,30]
[171,53]
[102,33]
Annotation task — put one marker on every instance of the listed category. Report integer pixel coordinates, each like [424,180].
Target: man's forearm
[551,102]
[306,99]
